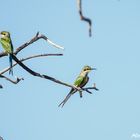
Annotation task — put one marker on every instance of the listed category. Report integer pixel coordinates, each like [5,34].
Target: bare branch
[31,41]
[41,75]
[34,39]
[88,20]
[10,80]
[30,57]
[88,88]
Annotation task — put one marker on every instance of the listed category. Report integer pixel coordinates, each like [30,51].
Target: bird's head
[87,69]
[4,34]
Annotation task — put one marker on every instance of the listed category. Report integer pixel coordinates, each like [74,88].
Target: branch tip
[37,34]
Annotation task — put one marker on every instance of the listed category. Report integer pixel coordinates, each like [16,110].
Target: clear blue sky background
[30,110]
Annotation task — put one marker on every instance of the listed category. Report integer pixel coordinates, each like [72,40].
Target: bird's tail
[11,64]
[65,100]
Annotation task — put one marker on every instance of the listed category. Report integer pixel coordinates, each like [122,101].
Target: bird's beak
[93,69]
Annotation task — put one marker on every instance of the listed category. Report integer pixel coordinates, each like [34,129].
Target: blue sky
[30,110]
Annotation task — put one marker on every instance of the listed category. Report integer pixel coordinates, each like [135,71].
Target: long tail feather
[72,91]
[65,100]
[11,63]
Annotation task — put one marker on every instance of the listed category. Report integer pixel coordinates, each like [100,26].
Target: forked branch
[10,80]
[87,89]
[42,75]
[31,41]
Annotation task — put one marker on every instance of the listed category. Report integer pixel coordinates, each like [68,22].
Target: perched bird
[6,42]
[80,82]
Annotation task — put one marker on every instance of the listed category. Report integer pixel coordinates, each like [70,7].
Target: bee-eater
[80,82]
[7,45]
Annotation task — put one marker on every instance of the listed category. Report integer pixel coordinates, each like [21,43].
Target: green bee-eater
[6,42]
[80,82]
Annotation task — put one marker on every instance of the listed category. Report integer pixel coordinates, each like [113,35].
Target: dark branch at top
[88,20]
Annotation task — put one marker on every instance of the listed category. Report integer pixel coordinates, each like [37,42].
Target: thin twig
[27,58]
[88,20]
[34,39]
[31,41]
[10,80]
[88,88]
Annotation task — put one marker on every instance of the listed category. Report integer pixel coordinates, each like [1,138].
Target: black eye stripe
[3,33]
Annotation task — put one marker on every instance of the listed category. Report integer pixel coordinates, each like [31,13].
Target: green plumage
[81,81]
[7,46]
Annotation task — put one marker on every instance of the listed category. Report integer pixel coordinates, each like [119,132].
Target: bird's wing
[81,81]
[84,82]
[7,45]
[78,81]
